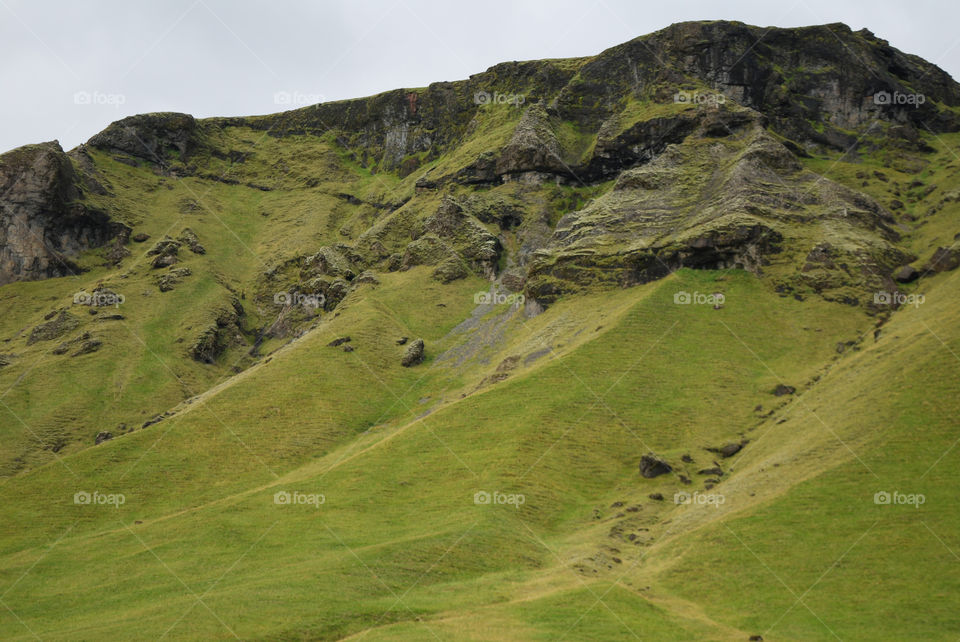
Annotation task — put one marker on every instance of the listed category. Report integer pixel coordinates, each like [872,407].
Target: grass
[556,407]
[399,496]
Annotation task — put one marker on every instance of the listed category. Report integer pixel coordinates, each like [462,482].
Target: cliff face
[826,74]
[819,86]
[577,122]
[42,221]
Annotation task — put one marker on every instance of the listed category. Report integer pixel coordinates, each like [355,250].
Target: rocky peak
[826,73]
[156,138]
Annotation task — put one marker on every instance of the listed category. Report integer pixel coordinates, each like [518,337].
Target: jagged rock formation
[154,138]
[43,220]
[730,196]
[655,115]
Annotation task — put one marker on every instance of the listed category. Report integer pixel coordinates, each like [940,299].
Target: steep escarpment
[801,78]
[44,222]
[729,197]
[563,174]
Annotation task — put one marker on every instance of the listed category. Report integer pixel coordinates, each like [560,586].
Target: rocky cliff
[43,219]
[640,127]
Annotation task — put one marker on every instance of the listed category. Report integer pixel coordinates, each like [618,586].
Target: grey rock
[414,354]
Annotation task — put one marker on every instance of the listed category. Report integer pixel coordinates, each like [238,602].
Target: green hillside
[688,368]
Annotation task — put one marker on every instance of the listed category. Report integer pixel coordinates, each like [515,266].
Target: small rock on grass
[414,354]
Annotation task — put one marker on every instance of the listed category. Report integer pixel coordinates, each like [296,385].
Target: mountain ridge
[698,315]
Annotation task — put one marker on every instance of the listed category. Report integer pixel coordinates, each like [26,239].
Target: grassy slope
[399,549]
[400,497]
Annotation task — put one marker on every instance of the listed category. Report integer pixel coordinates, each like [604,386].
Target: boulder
[414,354]
[189,238]
[906,274]
[727,450]
[651,466]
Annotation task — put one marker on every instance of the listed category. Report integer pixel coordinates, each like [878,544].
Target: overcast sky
[68,69]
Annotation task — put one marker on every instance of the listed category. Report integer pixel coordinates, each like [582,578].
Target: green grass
[558,407]
[401,496]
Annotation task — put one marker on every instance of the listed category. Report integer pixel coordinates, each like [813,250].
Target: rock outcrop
[44,222]
[156,138]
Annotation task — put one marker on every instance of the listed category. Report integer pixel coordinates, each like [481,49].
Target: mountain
[659,343]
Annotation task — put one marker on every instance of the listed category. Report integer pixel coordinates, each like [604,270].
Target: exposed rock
[87,347]
[367,277]
[44,222]
[463,239]
[165,252]
[533,147]
[651,466]
[451,269]
[427,250]
[59,326]
[157,138]
[166,282]
[414,354]
[189,238]
[727,450]
[943,260]
[783,389]
[64,347]
[156,419]
[140,237]
[329,261]
[711,471]
[906,274]
[102,437]
[707,205]
[339,341]
[219,335]
[758,68]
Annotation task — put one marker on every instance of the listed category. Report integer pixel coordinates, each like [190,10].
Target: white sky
[223,57]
